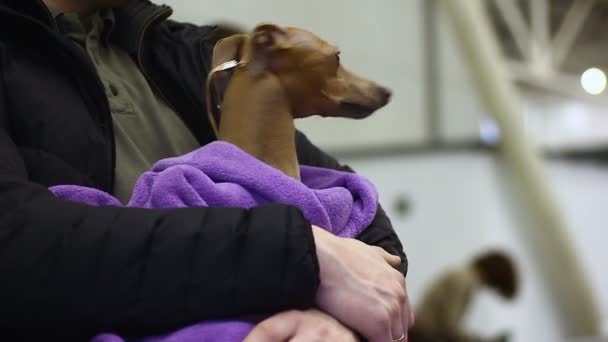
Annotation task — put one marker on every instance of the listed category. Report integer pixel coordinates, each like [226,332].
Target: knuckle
[400,294]
[398,276]
[339,336]
[374,250]
[346,336]
[394,308]
[293,315]
[264,330]
[382,317]
[323,331]
[378,249]
[268,327]
[320,333]
[293,312]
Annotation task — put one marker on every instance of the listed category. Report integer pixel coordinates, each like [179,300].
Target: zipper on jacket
[50,15]
[140,55]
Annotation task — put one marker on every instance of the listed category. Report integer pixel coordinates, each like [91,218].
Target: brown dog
[281,74]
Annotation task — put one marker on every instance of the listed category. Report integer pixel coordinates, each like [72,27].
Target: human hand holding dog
[300,326]
[360,287]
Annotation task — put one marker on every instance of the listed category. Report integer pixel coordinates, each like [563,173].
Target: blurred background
[439,153]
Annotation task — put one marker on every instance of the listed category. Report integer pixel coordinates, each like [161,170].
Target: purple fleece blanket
[221,174]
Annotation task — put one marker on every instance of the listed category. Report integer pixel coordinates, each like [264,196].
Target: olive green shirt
[146,129]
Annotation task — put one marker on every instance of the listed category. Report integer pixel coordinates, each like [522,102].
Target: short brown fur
[290,73]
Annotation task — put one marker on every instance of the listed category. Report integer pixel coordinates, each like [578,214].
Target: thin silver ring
[400,338]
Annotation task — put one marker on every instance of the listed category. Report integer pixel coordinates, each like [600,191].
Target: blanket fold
[221,174]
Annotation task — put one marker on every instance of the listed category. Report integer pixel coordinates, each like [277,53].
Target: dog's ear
[228,49]
[270,37]
[266,40]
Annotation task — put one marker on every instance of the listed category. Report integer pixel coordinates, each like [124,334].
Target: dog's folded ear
[270,37]
[256,48]
[266,40]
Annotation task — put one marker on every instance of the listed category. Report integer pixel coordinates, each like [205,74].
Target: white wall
[462,205]
[460,107]
[559,122]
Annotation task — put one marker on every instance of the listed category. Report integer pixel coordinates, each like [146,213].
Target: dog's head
[308,68]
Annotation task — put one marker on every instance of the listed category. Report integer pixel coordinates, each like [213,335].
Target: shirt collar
[70,23]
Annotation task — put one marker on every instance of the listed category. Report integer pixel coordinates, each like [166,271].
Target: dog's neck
[256,117]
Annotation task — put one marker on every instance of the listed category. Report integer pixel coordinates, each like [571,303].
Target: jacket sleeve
[71,270]
[380,232]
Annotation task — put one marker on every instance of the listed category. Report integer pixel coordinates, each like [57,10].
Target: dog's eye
[338,58]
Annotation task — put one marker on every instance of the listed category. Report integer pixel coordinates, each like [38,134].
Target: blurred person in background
[440,315]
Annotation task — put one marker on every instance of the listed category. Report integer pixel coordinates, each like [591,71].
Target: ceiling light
[594,81]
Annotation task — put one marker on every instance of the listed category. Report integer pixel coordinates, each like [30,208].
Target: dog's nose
[385,94]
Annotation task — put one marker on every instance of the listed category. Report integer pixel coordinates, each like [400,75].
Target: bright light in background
[594,81]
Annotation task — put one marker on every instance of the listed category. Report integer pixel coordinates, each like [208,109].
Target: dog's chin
[349,110]
[356,110]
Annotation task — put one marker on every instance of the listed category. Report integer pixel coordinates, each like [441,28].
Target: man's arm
[380,232]
[71,270]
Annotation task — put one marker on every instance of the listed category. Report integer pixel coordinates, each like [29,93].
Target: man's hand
[361,289]
[300,326]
